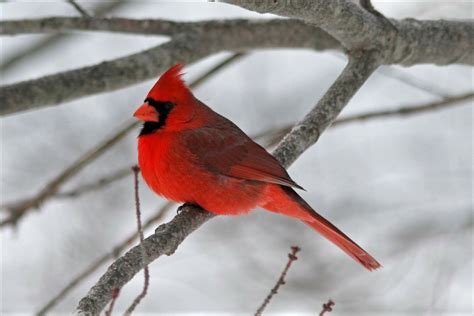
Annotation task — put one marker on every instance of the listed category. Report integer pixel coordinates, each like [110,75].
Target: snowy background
[400,187]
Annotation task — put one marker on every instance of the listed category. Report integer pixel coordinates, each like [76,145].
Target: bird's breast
[173,171]
[164,165]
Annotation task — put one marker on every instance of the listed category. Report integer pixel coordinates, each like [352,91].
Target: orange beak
[146,113]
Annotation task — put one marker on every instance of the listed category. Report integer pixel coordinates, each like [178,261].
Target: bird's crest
[170,86]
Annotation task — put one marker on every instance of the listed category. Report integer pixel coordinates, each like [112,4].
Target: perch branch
[168,237]
[114,253]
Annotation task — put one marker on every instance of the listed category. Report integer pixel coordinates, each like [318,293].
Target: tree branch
[406,42]
[168,237]
[234,35]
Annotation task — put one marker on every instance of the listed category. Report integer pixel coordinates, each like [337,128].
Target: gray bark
[406,42]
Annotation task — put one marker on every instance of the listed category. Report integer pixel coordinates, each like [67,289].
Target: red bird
[189,153]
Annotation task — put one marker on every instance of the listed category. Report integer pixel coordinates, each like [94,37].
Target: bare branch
[281,280]
[114,253]
[79,8]
[234,35]
[406,42]
[19,208]
[168,237]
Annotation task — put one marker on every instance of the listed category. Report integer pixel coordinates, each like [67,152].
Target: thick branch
[168,236]
[406,42]
[122,72]
[345,20]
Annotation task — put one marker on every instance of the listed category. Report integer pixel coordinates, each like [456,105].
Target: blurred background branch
[79,8]
[52,41]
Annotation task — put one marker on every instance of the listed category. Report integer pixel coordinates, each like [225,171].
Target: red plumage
[189,153]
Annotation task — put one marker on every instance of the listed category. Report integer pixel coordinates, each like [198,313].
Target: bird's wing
[228,150]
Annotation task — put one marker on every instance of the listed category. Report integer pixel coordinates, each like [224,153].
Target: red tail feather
[286,201]
[333,234]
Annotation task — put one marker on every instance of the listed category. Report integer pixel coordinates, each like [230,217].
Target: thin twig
[327,307]
[281,280]
[408,110]
[94,185]
[115,295]
[79,8]
[114,253]
[18,209]
[146,271]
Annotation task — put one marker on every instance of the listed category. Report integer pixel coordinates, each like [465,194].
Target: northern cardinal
[189,153]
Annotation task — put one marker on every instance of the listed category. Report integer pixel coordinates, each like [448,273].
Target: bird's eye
[168,105]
